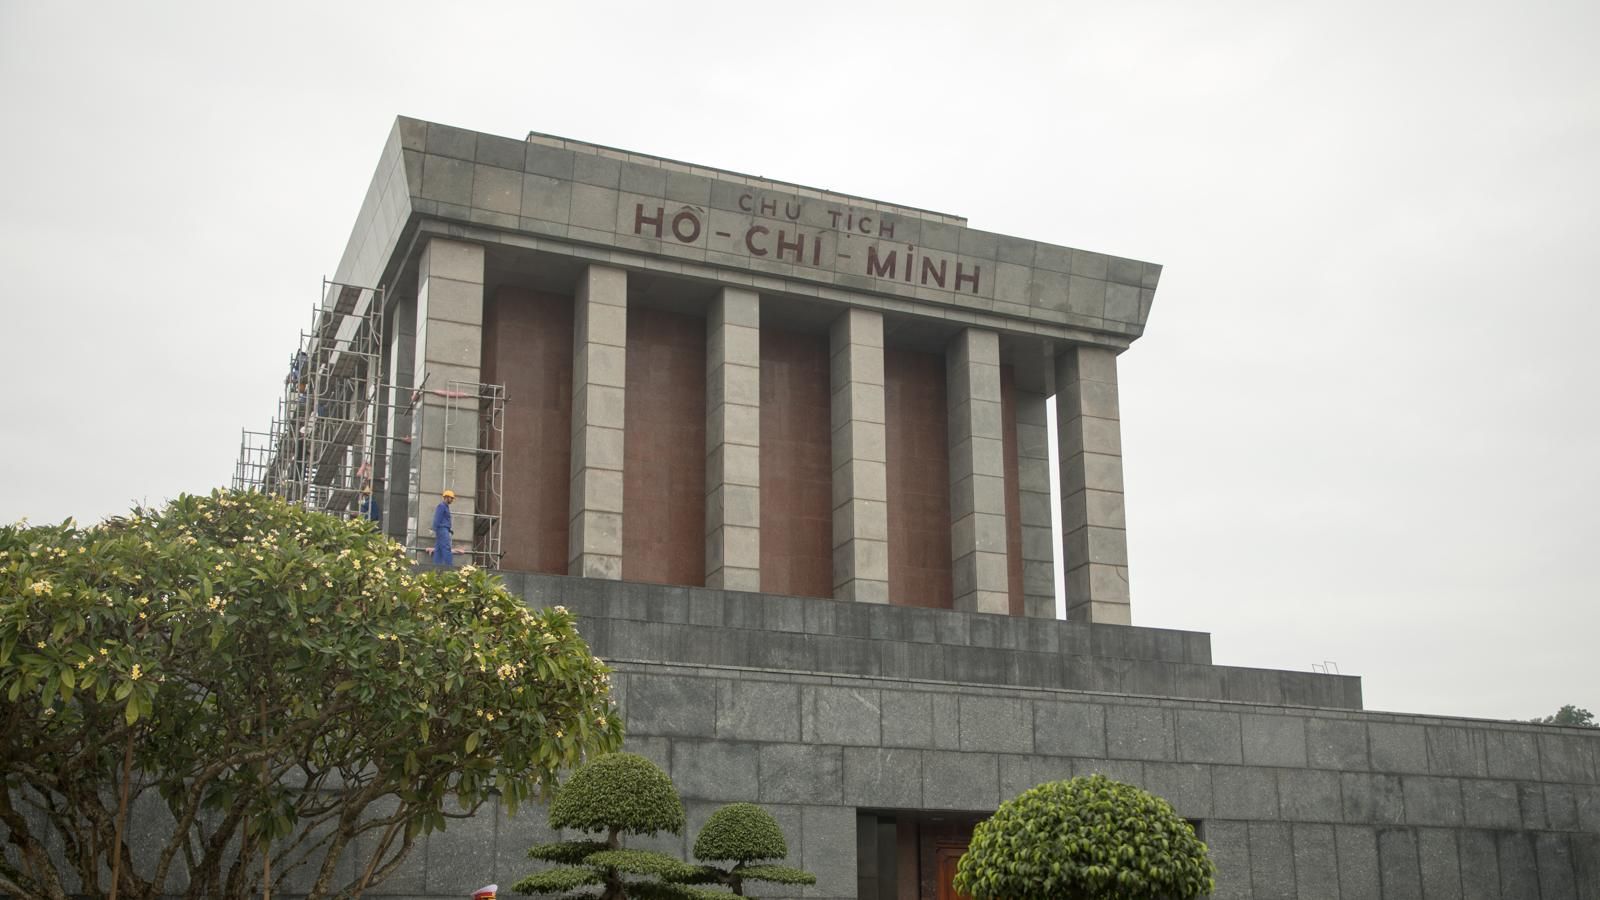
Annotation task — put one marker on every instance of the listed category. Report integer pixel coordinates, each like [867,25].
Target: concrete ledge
[703,626]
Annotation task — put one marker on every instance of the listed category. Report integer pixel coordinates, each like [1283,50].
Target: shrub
[1087,838]
[616,794]
[621,793]
[745,835]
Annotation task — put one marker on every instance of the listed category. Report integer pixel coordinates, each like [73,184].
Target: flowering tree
[271,683]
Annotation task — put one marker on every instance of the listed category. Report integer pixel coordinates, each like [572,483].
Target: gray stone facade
[817,710]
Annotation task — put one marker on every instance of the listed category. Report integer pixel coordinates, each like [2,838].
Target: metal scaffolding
[341,427]
[321,449]
[473,440]
[256,450]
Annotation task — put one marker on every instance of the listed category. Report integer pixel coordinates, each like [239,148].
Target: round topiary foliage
[1088,838]
[622,791]
[740,832]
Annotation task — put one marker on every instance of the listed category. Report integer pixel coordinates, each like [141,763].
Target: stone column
[447,357]
[1094,536]
[860,485]
[1033,481]
[977,472]
[402,326]
[733,441]
[599,381]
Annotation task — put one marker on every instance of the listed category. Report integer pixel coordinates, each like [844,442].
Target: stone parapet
[625,201]
[703,626]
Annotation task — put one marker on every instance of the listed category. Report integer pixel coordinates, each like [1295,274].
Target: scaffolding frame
[256,451]
[329,438]
[474,415]
[323,443]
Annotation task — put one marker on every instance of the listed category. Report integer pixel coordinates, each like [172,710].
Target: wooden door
[946,854]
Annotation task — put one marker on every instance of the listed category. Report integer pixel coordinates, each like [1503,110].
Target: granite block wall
[734,628]
[1296,803]
[822,710]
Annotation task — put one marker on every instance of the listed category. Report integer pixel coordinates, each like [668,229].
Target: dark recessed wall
[796,465]
[1013,487]
[664,449]
[527,346]
[919,479]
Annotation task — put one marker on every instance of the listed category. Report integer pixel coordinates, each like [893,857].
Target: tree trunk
[122,818]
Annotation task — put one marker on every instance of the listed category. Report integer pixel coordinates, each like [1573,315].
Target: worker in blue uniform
[369,508]
[441,530]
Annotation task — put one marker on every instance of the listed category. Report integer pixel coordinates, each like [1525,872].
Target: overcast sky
[1363,424]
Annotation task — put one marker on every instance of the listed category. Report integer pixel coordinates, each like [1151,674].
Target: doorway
[911,854]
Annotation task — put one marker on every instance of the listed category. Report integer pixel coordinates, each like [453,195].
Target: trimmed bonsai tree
[613,795]
[746,839]
[1087,838]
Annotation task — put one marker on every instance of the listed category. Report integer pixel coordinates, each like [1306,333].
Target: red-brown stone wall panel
[664,449]
[918,454]
[796,465]
[527,346]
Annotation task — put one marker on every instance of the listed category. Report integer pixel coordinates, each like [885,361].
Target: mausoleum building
[787,454]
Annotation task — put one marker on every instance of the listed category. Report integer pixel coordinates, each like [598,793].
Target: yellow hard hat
[449,493]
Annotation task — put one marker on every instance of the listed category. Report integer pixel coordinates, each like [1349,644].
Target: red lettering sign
[883,269]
